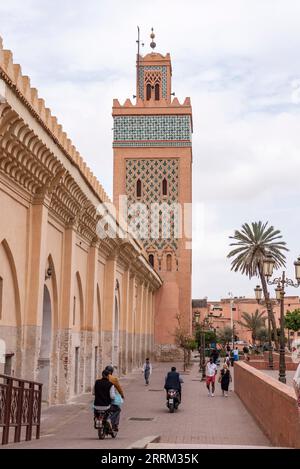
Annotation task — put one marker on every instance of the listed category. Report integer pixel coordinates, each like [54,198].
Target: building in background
[219,313]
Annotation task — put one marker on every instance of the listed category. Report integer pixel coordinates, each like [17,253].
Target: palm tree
[253,322]
[253,242]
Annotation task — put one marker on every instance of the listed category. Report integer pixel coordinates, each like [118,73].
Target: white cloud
[238,60]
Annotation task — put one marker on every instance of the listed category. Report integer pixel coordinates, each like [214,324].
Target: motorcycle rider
[173,381]
[115,409]
[104,392]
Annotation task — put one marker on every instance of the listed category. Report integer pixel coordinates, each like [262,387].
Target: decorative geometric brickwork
[163,72]
[151,144]
[151,173]
[167,130]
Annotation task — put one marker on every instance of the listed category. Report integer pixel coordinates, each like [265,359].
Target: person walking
[147,370]
[211,371]
[214,355]
[227,360]
[224,379]
[236,354]
[246,353]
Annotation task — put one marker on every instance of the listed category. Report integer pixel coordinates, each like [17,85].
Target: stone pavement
[199,420]
[274,373]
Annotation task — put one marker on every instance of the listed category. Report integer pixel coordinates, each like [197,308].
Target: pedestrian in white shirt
[211,371]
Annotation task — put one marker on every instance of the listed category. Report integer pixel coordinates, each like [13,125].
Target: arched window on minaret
[157,92]
[151,259]
[165,187]
[148,92]
[169,262]
[139,188]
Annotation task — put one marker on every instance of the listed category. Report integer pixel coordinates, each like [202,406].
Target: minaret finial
[152,35]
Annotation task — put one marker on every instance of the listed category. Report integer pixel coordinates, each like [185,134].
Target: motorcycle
[173,400]
[103,425]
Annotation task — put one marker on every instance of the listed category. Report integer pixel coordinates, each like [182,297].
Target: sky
[238,60]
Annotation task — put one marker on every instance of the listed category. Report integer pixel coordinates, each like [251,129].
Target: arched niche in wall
[11,305]
[79,306]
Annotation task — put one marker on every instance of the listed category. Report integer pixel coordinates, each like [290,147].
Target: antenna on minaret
[152,35]
[138,62]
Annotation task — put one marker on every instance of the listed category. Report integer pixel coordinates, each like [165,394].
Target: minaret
[153,168]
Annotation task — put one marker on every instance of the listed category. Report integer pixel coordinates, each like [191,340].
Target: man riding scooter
[104,392]
[173,381]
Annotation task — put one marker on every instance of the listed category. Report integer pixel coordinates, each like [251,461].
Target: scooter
[103,425]
[173,400]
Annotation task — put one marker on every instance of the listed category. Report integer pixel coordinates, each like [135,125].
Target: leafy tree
[210,336]
[253,323]
[184,340]
[252,243]
[292,320]
[225,335]
[262,334]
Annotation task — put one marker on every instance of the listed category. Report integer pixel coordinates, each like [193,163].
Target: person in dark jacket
[215,355]
[224,379]
[104,392]
[173,381]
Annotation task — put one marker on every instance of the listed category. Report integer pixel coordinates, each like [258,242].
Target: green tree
[253,323]
[210,336]
[184,340]
[292,320]
[252,243]
[262,335]
[292,323]
[225,335]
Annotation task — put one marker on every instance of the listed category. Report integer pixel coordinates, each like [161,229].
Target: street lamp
[205,325]
[231,318]
[281,282]
[258,295]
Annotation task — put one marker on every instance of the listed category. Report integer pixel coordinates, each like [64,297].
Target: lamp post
[196,323]
[231,319]
[202,356]
[281,282]
[203,329]
[258,296]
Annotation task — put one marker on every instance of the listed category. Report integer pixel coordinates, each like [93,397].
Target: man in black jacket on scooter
[173,381]
[104,392]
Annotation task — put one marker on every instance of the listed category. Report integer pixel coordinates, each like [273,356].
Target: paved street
[275,373]
[199,420]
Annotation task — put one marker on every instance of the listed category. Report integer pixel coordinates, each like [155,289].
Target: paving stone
[199,420]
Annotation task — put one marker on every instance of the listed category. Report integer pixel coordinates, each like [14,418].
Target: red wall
[271,403]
